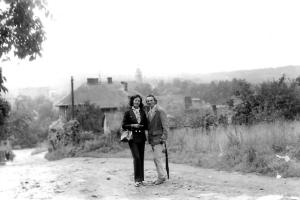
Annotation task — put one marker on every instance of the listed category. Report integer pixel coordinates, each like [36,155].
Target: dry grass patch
[259,148]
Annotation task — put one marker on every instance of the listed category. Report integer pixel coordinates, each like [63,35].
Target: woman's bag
[126,136]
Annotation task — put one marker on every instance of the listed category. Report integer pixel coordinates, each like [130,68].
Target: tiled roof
[103,95]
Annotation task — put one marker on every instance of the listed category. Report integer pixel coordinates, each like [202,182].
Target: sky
[163,38]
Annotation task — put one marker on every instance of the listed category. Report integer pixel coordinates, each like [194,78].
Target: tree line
[251,103]
[27,121]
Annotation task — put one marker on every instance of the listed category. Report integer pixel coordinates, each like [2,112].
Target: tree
[268,101]
[21,33]
[21,29]
[280,98]
[44,115]
[4,111]
[4,105]
[4,108]
[29,120]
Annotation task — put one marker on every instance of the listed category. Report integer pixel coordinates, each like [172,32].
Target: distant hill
[253,76]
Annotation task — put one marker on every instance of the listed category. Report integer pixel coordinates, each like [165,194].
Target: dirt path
[32,177]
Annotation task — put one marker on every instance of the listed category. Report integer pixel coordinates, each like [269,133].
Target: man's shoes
[159,181]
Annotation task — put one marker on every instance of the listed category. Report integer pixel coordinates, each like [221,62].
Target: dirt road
[33,177]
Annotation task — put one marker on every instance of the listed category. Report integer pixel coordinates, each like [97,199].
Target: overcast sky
[162,38]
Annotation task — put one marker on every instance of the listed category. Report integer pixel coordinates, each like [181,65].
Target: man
[157,135]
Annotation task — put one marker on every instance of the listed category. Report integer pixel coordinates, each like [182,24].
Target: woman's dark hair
[136,96]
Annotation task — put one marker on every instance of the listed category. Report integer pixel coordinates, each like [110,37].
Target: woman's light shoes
[156,182]
[159,181]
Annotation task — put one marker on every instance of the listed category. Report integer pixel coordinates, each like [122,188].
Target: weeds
[251,149]
[241,148]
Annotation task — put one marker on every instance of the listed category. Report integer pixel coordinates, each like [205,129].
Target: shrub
[268,101]
[93,145]
[4,110]
[62,152]
[90,118]
[67,140]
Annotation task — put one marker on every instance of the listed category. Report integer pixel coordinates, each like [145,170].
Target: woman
[135,120]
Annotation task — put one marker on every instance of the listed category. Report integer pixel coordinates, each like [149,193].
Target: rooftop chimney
[109,80]
[214,108]
[188,102]
[92,81]
[125,84]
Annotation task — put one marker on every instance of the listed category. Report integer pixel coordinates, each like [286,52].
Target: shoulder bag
[126,135]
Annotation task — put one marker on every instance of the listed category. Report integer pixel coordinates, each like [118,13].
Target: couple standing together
[146,124]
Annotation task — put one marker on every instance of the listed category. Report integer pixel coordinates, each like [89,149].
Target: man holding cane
[157,136]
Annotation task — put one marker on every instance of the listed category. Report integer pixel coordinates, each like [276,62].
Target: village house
[111,97]
[212,114]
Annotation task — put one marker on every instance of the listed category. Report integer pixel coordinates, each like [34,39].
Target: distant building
[138,75]
[110,97]
[192,103]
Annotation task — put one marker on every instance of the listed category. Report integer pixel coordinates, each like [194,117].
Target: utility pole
[72,96]
[1,81]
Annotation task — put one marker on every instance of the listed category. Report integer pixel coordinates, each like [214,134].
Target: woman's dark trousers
[137,151]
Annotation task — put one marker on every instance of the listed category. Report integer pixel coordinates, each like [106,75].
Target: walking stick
[167,160]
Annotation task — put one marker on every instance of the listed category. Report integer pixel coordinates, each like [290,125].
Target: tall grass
[243,148]
[258,148]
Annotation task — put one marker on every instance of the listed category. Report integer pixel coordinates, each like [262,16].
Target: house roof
[103,95]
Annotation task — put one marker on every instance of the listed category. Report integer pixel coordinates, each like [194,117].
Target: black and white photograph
[149,99]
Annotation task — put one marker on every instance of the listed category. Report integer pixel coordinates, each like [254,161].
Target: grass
[249,149]
[240,148]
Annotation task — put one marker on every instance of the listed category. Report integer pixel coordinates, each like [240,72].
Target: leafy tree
[21,29]
[44,114]
[21,33]
[268,101]
[29,120]
[4,112]
[216,92]
[19,128]
[4,109]
[280,99]
[19,122]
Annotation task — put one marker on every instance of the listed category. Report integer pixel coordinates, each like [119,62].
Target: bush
[268,101]
[67,140]
[4,110]
[93,145]
[63,152]
[90,118]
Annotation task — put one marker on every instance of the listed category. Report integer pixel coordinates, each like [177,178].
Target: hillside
[253,76]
